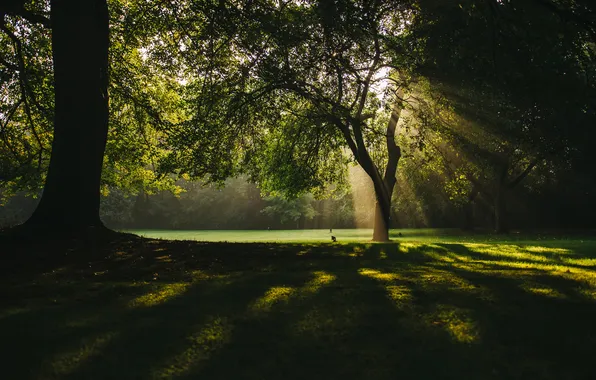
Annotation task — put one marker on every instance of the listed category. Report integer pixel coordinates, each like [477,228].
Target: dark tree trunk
[384,186]
[382,221]
[499,200]
[501,226]
[80,41]
[469,211]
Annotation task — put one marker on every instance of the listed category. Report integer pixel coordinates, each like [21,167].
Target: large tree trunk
[382,221]
[384,187]
[501,226]
[469,210]
[80,41]
[499,200]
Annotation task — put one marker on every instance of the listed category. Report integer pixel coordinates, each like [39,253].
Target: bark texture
[80,41]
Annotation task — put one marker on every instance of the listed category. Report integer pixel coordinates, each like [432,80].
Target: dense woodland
[258,114]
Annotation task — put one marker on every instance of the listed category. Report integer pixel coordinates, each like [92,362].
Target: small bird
[334,239]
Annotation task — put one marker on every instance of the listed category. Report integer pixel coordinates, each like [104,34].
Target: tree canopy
[291,93]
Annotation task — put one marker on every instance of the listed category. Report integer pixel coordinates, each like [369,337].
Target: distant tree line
[240,204]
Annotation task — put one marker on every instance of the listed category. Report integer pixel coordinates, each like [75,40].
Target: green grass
[451,307]
[343,235]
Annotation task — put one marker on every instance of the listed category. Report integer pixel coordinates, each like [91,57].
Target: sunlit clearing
[456,321]
[363,197]
[200,346]
[66,363]
[162,294]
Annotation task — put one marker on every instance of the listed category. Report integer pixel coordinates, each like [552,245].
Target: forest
[424,169]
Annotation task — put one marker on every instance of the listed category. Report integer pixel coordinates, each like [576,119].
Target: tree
[518,77]
[290,90]
[80,41]
[73,124]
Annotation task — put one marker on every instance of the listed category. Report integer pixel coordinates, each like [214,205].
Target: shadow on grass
[157,309]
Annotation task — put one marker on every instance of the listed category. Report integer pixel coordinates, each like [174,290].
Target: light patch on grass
[530,255]
[161,294]
[456,321]
[66,363]
[200,275]
[408,247]
[400,295]
[506,250]
[359,250]
[540,249]
[273,296]
[377,275]
[445,278]
[13,311]
[281,294]
[83,322]
[582,262]
[588,293]
[320,322]
[382,254]
[543,291]
[200,346]
[441,256]
[303,252]
[496,267]
[321,278]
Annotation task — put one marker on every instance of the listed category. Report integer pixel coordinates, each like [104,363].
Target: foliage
[290,210]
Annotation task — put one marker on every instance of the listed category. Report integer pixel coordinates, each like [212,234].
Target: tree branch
[17,8]
[525,173]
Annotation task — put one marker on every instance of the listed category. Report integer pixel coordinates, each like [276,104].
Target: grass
[343,235]
[450,307]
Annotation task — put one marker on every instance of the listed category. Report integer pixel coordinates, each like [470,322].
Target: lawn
[343,235]
[448,307]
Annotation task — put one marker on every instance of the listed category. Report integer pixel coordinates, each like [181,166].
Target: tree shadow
[253,311]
